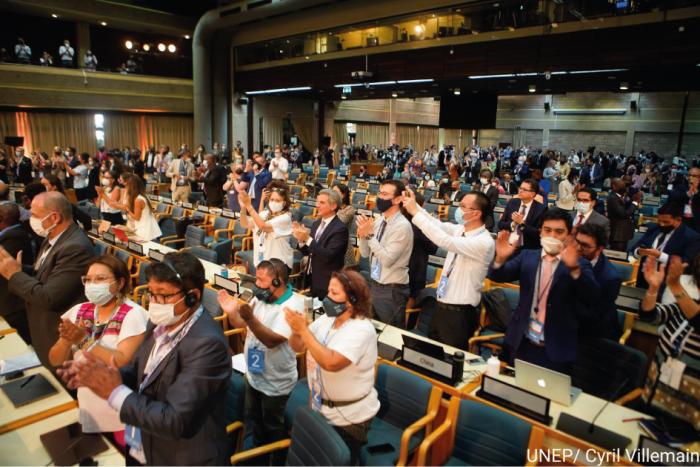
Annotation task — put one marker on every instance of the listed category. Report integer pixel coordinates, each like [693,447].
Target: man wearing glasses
[172,396]
[522,216]
[690,199]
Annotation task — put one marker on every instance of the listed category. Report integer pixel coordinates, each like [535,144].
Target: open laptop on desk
[545,382]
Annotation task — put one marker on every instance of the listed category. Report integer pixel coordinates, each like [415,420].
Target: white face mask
[38,227]
[484,181]
[276,206]
[66,153]
[582,207]
[105,182]
[205,164]
[551,245]
[18,153]
[163,314]
[99,294]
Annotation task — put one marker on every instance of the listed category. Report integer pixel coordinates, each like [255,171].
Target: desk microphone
[614,395]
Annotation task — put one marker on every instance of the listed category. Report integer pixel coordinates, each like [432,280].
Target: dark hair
[674,210]
[55,181]
[534,184]
[188,267]
[486,171]
[118,268]
[482,204]
[84,157]
[275,267]
[355,285]
[590,191]
[345,191]
[398,186]
[32,189]
[573,174]
[695,269]
[557,214]
[595,231]
[134,188]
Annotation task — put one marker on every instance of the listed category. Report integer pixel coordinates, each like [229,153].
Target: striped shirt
[672,338]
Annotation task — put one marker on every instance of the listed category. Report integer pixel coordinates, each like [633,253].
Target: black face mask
[384,204]
[333,308]
[264,295]
[666,228]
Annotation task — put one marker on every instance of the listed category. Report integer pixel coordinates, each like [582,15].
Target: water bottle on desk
[224,271]
[493,366]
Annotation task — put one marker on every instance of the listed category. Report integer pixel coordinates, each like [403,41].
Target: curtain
[121,130]
[340,134]
[304,128]
[172,131]
[8,125]
[273,130]
[419,136]
[452,138]
[376,134]
[47,130]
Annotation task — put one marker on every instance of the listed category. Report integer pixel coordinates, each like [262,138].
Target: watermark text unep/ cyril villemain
[596,457]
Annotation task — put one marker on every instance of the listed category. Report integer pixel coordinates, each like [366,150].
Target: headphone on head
[280,269]
[190,296]
[352,298]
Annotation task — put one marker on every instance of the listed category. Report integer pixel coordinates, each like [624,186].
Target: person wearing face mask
[491,193]
[109,190]
[90,61]
[341,354]
[213,176]
[66,54]
[82,218]
[272,227]
[172,395]
[689,198]
[621,214]
[386,244]
[522,215]
[111,327]
[181,174]
[257,176]
[279,165]
[558,291]
[568,188]
[61,260]
[24,167]
[470,250]
[272,364]
[585,212]
[670,237]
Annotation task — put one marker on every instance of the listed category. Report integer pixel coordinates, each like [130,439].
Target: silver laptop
[545,382]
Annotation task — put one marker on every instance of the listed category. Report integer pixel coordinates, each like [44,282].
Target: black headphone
[280,271]
[352,298]
[190,296]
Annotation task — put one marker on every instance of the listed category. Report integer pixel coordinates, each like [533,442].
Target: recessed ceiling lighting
[54,15]
[103,23]
[172,49]
[343,97]
[146,47]
[161,47]
[457,92]
[129,45]
[187,36]
[532,88]
[624,86]
[681,28]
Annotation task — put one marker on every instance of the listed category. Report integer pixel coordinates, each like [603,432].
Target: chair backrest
[625,269]
[210,302]
[403,396]
[621,363]
[100,248]
[199,216]
[297,398]
[238,229]
[485,435]
[431,274]
[427,302]
[177,211]
[441,252]
[194,236]
[223,251]
[124,256]
[222,223]
[235,399]
[168,227]
[205,253]
[315,441]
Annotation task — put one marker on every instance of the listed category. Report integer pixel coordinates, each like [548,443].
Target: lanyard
[452,263]
[382,229]
[678,346]
[539,294]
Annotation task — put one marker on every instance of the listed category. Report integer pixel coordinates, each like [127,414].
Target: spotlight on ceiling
[146,47]
[172,49]
[343,97]
[457,92]
[54,15]
[420,29]
[103,23]
[624,86]
[532,88]
[394,94]
[187,36]
[161,47]
[129,45]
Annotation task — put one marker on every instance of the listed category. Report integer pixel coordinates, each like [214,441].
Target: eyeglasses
[96,280]
[525,189]
[584,245]
[386,194]
[162,298]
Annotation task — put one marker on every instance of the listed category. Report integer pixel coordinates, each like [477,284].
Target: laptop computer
[545,382]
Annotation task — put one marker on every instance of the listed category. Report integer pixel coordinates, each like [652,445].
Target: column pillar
[82,43]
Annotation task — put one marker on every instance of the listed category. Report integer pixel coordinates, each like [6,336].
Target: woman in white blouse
[566,199]
[139,216]
[272,227]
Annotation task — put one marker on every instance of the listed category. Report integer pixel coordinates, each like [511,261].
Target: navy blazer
[327,254]
[531,238]
[684,242]
[570,302]
[606,325]
[261,181]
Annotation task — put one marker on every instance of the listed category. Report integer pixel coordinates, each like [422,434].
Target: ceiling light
[103,23]
[394,94]
[187,36]
[452,50]
[161,47]
[351,85]
[172,49]
[146,47]
[129,45]
[609,70]
[381,83]
[420,29]
[624,86]
[307,57]
[412,81]
[54,15]
[456,92]
[278,90]
[281,51]
[343,97]
[532,88]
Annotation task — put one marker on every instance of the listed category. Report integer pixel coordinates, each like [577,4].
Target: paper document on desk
[239,364]
[19,363]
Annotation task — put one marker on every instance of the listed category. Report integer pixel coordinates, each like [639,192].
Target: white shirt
[95,413]
[66,53]
[274,244]
[279,168]
[585,217]
[81,179]
[393,252]
[355,340]
[280,374]
[688,284]
[471,254]
[52,242]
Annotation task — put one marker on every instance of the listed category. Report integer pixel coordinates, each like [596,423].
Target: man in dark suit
[61,260]
[491,193]
[522,216]
[557,292]
[14,238]
[621,214]
[213,177]
[257,176]
[671,237]
[591,240]
[172,396]
[422,249]
[592,174]
[689,198]
[325,243]
[509,186]
[586,213]
[24,167]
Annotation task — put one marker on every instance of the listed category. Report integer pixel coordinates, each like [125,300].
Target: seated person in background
[172,396]
[673,384]
[557,292]
[362,174]
[111,327]
[522,216]
[272,364]
[341,353]
[671,237]
[590,239]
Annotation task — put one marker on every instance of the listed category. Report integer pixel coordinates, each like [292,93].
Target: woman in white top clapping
[139,216]
[109,189]
[272,227]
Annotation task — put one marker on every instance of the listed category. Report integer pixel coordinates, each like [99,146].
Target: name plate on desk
[431,360]
[290,182]
[154,197]
[156,255]
[436,201]
[615,254]
[203,208]
[426,362]
[187,205]
[311,202]
[365,212]
[108,236]
[361,191]
[226,283]
[513,398]
[135,247]
[230,214]
[500,209]
[627,303]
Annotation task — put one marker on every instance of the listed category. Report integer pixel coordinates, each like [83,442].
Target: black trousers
[454,324]
[266,414]
[355,436]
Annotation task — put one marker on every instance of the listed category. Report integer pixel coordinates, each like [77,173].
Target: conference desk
[5,327]
[210,269]
[12,417]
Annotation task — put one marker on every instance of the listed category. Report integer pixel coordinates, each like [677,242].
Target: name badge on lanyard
[256,361]
[376,270]
[442,287]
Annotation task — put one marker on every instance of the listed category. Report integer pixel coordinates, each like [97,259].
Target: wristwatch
[369,237]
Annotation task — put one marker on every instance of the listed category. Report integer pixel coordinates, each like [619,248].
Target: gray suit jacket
[54,288]
[598,219]
[181,412]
